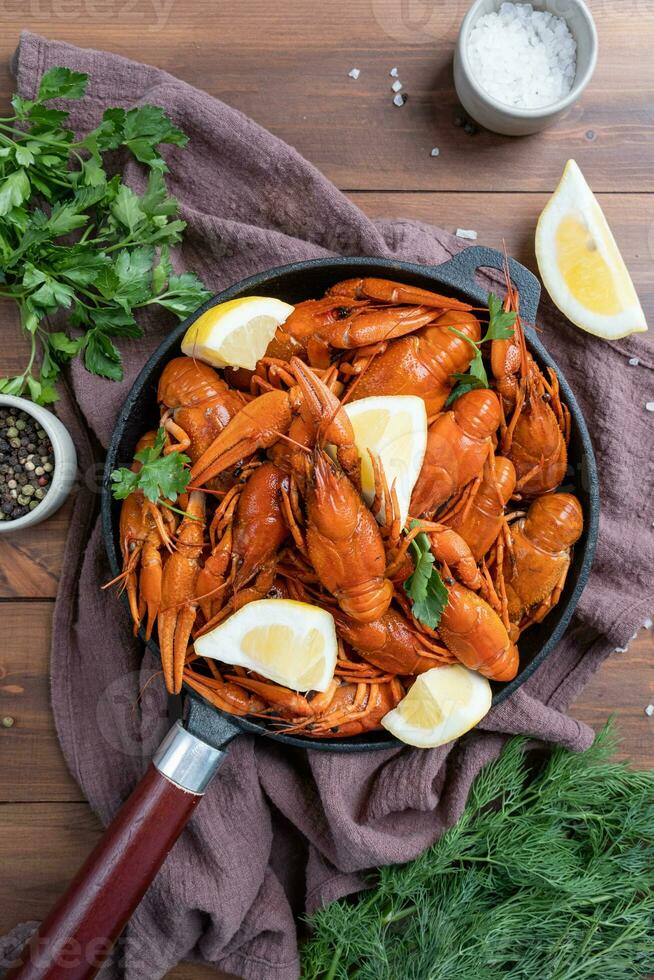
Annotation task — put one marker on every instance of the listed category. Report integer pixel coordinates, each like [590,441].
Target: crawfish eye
[546,396]
[343,311]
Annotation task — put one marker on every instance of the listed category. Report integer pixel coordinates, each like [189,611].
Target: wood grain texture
[93,911]
[33,766]
[286,65]
[41,847]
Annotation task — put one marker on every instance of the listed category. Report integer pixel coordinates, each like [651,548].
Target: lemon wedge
[394,428]
[293,643]
[236,333]
[442,704]
[580,263]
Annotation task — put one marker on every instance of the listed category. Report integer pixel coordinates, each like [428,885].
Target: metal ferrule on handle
[187,761]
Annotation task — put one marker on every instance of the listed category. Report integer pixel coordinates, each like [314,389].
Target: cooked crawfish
[392,643]
[476,636]
[356,313]
[251,533]
[536,436]
[345,709]
[422,364]
[535,569]
[480,524]
[197,404]
[344,543]
[458,444]
[179,605]
[144,532]
[267,419]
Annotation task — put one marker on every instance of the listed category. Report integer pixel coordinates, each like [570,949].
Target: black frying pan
[113,880]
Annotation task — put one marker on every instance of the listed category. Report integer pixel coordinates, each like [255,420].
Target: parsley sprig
[160,478]
[72,237]
[424,586]
[500,327]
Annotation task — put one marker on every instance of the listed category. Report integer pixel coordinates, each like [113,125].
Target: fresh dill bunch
[548,874]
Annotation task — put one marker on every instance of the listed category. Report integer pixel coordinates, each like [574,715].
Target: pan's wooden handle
[77,936]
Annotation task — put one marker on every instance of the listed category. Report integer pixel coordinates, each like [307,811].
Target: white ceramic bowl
[65,463]
[506,119]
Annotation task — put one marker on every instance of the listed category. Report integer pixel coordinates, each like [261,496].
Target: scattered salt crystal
[397,86]
[647,625]
[650,406]
[621,649]
[399,99]
[354,73]
[649,710]
[523,57]
[634,361]
[393,73]
[435,151]
[466,233]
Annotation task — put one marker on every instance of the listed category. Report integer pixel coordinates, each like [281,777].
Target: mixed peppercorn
[26,464]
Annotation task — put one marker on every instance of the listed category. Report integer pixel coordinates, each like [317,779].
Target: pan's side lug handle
[460,272]
[80,931]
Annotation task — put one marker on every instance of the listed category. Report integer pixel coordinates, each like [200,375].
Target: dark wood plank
[623,688]
[33,766]
[30,560]
[286,65]
[55,838]
[35,874]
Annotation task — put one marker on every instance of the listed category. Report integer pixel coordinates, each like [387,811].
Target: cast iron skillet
[114,878]
[304,280]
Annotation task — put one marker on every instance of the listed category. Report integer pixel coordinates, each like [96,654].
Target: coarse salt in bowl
[519,66]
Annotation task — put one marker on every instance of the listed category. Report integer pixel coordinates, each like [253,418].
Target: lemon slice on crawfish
[292,643]
[236,333]
[394,429]
[442,704]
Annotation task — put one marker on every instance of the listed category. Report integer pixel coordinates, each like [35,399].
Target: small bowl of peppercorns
[38,463]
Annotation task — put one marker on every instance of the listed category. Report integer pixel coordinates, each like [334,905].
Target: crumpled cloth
[281,832]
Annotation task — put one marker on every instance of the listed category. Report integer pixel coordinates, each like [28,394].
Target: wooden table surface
[286,64]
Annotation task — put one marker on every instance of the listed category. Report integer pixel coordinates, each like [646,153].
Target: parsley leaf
[501,324]
[424,586]
[101,356]
[161,478]
[183,294]
[144,128]
[14,190]
[62,83]
[500,327]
